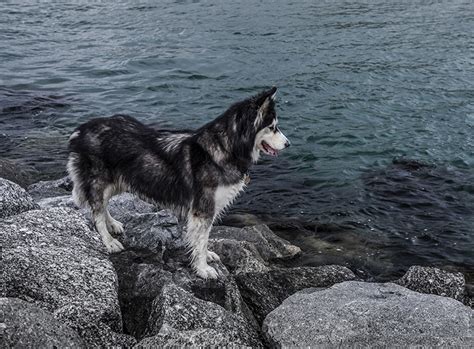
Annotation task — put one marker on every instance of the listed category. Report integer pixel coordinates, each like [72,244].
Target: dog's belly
[225,195]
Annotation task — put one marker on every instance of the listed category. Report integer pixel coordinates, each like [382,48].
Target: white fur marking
[225,195]
[196,238]
[112,245]
[75,134]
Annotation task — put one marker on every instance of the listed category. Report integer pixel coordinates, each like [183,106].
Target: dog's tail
[74,173]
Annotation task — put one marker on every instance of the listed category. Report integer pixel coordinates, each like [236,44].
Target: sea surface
[377,98]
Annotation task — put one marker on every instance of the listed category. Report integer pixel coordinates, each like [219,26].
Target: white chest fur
[225,195]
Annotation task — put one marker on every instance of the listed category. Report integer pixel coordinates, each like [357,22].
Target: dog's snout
[287,143]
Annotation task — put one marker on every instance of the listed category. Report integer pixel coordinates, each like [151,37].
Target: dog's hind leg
[98,199]
[196,238]
[113,225]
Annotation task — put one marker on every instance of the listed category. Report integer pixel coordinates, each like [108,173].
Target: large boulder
[434,281]
[53,259]
[14,199]
[264,291]
[178,316]
[28,326]
[358,314]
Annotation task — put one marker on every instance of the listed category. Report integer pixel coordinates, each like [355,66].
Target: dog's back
[116,154]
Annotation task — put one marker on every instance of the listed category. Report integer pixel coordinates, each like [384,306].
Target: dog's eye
[271,127]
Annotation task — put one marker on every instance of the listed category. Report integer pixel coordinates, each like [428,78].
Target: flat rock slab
[369,315]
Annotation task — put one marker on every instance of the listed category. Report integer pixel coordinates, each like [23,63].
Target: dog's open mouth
[268,149]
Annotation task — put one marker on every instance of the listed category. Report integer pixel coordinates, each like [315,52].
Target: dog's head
[269,139]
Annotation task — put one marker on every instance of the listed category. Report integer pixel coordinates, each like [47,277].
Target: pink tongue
[271,151]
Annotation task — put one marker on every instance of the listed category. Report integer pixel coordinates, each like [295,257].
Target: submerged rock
[179,316]
[434,281]
[28,326]
[53,259]
[19,174]
[368,314]
[14,199]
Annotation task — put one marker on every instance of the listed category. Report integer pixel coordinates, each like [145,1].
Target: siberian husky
[195,173]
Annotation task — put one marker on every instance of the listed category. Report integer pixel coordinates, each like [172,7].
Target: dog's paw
[115,226]
[207,272]
[212,257]
[113,246]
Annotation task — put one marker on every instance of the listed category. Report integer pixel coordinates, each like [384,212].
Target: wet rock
[19,174]
[264,291]
[434,281]
[368,314]
[14,199]
[28,326]
[53,259]
[268,245]
[176,310]
[47,189]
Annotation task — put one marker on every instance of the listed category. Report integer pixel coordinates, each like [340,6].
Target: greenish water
[361,83]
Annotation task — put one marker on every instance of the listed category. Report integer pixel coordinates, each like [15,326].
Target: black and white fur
[197,173]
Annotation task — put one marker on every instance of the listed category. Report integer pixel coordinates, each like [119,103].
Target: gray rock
[145,227]
[434,281]
[14,199]
[53,259]
[239,256]
[206,337]
[250,253]
[28,326]
[19,174]
[176,310]
[47,189]
[269,245]
[152,230]
[264,291]
[369,315]
[143,274]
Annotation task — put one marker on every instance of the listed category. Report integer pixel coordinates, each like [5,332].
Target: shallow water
[376,97]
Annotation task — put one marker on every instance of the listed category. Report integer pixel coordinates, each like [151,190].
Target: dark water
[376,97]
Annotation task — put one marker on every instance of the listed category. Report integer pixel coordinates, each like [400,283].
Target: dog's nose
[287,143]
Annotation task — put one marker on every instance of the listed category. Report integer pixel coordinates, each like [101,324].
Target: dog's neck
[226,147]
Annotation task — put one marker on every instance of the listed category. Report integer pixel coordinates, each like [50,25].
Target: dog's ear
[264,100]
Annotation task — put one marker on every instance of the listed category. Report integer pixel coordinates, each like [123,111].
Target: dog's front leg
[196,238]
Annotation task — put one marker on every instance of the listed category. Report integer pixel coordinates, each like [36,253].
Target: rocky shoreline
[61,289]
